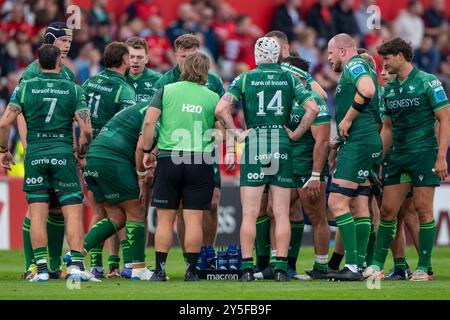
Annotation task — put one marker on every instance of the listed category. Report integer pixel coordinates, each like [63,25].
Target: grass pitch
[13,287]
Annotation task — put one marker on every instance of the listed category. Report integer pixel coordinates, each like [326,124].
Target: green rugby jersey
[48,103]
[268,95]
[118,138]
[106,94]
[366,122]
[144,84]
[187,113]
[214,82]
[33,70]
[411,105]
[304,147]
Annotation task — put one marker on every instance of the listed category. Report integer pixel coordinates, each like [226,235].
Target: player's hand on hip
[314,189]
[313,186]
[344,126]
[149,160]
[291,134]
[6,160]
[440,168]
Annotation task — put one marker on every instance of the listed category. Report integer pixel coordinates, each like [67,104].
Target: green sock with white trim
[136,239]
[101,231]
[27,247]
[427,236]
[55,232]
[96,255]
[386,233]
[362,229]
[346,226]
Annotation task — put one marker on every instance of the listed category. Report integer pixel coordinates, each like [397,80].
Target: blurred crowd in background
[227,36]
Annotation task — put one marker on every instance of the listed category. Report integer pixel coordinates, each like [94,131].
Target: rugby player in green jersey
[407,219]
[356,112]
[141,78]
[375,187]
[185,45]
[114,173]
[50,104]
[414,100]
[264,228]
[310,154]
[106,94]
[268,94]
[58,34]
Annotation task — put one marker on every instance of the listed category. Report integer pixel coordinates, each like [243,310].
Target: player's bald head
[342,40]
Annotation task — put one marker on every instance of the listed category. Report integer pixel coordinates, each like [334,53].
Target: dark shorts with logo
[190,183]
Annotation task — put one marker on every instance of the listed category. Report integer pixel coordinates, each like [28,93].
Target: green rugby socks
[101,231]
[297,228]
[427,236]
[262,242]
[386,233]
[346,226]
[362,228]
[27,248]
[55,233]
[136,240]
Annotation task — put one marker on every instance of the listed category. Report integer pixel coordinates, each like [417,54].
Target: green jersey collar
[266,66]
[111,73]
[176,71]
[409,76]
[50,75]
[137,77]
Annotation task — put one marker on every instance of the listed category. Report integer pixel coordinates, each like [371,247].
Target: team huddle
[132,134]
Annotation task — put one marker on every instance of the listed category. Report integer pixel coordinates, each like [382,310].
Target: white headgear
[267,50]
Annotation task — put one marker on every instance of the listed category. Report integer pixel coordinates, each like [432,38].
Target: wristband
[4,151]
[81,156]
[141,173]
[313,178]
[146,150]
[361,102]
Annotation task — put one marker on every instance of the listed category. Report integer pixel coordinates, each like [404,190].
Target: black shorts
[192,184]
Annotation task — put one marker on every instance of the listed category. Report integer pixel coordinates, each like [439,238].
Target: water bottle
[201,262]
[210,258]
[222,259]
[233,257]
[239,257]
